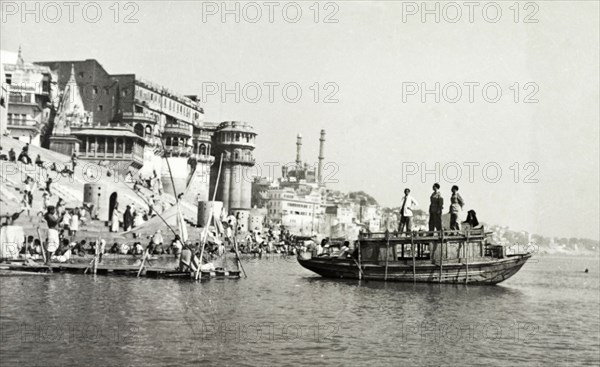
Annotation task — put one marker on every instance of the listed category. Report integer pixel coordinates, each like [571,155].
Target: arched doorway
[112,204]
[139,130]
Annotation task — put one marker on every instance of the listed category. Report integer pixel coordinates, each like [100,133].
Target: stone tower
[235,141]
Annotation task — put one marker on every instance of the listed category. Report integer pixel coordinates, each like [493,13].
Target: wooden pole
[467,259]
[412,250]
[387,254]
[143,262]
[237,255]
[41,245]
[441,253]
[210,216]
[359,261]
[96,249]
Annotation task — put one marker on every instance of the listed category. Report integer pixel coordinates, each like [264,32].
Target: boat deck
[115,269]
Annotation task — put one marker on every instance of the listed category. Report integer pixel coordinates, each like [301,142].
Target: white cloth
[53,240]
[409,204]
[11,241]
[66,219]
[64,257]
[114,226]
[74,222]
[157,238]
[138,220]
[178,245]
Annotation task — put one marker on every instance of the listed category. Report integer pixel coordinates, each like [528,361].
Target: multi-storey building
[30,97]
[300,214]
[122,118]
[144,113]
[260,191]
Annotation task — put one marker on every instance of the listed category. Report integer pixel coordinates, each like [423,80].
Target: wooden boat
[428,256]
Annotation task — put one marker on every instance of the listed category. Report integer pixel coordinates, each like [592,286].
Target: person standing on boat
[436,207]
[456,205]
[406,214]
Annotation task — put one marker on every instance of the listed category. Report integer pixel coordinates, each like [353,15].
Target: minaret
[298,150]
[321,157]
[20,61]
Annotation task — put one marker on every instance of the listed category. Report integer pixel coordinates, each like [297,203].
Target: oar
[89,265]
[237,254]
[142,264]
[359,269]
[210,217]
[41,244]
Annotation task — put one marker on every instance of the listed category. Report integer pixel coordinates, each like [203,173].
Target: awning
[106,132]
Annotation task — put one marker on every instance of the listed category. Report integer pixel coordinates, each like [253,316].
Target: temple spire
[72,77]
[71,111]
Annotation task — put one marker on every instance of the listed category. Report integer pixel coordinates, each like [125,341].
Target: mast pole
[359,260]
[441,252]
[467,258]
[412,250]
[210,217]
[387,253]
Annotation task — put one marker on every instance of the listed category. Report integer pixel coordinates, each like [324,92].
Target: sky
[527,157]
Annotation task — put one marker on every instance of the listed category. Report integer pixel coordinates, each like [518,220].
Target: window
[9,79]
[128,146]
[94,90]
[124,92]
[81,74]
[111,145]
[100,107]
[100,145]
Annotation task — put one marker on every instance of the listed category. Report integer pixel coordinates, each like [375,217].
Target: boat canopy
[458,244]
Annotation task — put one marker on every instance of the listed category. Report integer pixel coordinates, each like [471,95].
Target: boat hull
[489,272]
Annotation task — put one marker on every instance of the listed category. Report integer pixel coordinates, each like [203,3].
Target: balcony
[204,158]
[19,123]
[171,151]
[178,130]
[249,161]
[21,99]
[133,117]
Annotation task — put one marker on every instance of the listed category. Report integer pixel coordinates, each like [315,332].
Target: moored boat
[465,256]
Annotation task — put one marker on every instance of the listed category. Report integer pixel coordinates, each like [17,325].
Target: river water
[282,314]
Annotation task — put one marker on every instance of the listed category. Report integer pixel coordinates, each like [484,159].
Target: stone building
[127,121]
[30,98]
[235,142]
[299,213]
